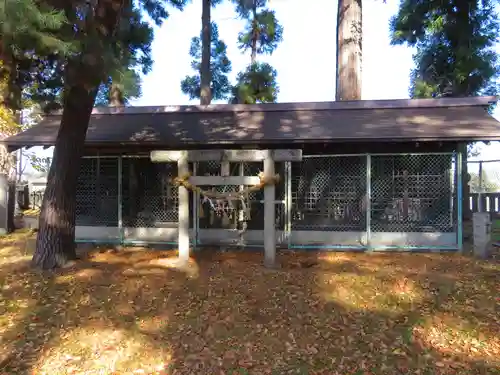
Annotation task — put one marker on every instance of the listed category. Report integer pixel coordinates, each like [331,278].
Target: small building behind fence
[363,175]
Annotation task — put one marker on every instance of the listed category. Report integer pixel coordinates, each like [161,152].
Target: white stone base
[309,239]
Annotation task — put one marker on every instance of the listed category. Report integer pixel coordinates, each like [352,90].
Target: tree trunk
[460,45]
[206,73]
[55,241]
[255,33]
[349,50]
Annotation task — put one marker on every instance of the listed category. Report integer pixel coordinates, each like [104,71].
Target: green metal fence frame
[456,156]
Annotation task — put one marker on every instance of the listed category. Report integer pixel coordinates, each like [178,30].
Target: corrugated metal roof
[302,122]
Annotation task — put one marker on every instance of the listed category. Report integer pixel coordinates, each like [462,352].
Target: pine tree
[454,43]
[48,91]
[121,85]
[103,50]
[262,35]
[27,28]
[257,84]
[455,53]
[220,67]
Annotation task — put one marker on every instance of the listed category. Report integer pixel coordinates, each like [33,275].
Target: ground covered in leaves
[132,312]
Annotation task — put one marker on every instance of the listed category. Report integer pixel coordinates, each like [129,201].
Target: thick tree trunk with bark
[349,50]
[56,235]
[460,43]
[55,241]
[206,73]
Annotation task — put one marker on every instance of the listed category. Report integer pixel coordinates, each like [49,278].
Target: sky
[305,60]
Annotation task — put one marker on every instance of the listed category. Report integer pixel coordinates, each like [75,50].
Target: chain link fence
[149,199]
[378,200]
[372,197]
[97,198]
[218,214]
[412,193]
[328,193]
[230,215]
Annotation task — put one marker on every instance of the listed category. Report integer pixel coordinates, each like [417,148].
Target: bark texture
[349,50]
[255,33]
[206,37]
[55,241]
[56,235]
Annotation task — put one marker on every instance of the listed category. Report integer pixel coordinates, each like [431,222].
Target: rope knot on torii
[232,195]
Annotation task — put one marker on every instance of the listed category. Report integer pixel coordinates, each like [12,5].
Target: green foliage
[27,24]
[27,29]
[455,46]
[262,31]
[219,64]
[123,87]
[257,84]
[132,56]
[262,35]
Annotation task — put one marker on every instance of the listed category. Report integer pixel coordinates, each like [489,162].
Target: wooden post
[183,169]
[269,214]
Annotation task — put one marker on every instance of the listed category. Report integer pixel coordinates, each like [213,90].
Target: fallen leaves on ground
[135,312]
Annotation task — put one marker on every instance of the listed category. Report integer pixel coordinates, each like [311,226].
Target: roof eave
[13,146]
[482,101]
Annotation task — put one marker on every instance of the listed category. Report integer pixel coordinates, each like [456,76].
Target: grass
[132,312]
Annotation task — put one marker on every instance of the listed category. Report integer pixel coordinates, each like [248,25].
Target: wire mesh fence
[412,193]
[256,221]
[328,193]
[342,194]
[231,214]
[375,200]
[149,198]
[97,199]
[215,214]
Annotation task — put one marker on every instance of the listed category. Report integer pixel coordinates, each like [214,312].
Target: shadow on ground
[131,313]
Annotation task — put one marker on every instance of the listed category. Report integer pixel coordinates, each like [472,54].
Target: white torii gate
[225,156]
